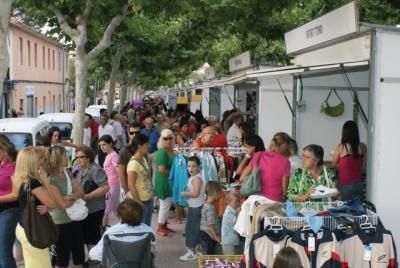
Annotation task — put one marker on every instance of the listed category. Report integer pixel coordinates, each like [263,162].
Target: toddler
[230,238]
[196,199]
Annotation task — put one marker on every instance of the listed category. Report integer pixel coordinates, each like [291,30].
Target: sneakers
[189,256]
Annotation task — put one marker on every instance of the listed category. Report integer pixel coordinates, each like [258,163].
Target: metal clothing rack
[330,222]
[210,149]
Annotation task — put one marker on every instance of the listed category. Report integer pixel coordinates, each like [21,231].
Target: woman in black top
[29,170]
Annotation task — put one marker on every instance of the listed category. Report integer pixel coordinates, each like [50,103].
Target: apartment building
[38,73]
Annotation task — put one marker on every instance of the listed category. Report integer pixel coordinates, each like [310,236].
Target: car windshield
[66,129]
[20,140]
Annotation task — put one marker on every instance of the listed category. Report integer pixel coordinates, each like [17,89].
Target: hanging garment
[372,248]
[265,245]
[208,167]
[178,178]
[318,250]
[222,170]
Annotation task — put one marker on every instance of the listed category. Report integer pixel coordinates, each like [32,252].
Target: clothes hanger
[275,226]
[366,225]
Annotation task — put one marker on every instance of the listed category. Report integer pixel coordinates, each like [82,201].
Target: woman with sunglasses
[162,188]
[94,182]
[125,155]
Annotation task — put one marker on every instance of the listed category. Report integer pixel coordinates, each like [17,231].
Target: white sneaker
[189,256]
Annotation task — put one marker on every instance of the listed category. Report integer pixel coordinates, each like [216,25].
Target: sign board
[240,62]
[196,98]
[182,100]
[337,23]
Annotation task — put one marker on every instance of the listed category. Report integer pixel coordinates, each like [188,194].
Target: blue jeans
[147,211]
[192,228]
[8,221]
[352,191]
[208,245]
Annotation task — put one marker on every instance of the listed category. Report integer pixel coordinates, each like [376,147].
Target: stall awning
[284,71]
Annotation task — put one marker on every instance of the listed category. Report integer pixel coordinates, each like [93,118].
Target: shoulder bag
[40,229]
[78,211]
[251,184]
[332,110]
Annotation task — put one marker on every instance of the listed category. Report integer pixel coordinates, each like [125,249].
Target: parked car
[64,121]
[94,110]
[23,131]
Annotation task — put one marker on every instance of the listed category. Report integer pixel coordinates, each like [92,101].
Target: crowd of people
[123,168]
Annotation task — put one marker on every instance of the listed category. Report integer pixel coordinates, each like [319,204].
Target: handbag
[251,184]
[332,110]
[40,229]
[89,186]
[78,211]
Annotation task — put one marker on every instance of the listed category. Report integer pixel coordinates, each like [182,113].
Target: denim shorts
[192,228]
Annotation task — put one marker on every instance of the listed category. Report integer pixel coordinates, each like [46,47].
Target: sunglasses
[167,138]
[81,157]
[133,132]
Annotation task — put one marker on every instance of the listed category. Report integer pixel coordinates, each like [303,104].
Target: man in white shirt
[234,135]
[119,130]
[87,131]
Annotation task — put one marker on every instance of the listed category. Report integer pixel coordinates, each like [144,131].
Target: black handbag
[89,186]
[40,229]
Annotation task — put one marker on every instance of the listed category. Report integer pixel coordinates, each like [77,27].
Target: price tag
[276,249]
[367,253]
[311,243]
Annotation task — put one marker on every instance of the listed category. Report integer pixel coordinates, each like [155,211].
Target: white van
[64,121]
[94,110]
[23,131]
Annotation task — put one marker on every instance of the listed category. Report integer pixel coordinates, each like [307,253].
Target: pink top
[6,171]
[272,166]
[110,166]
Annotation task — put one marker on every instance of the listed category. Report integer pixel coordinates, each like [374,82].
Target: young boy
[196,199]
[230,238]
[209,238]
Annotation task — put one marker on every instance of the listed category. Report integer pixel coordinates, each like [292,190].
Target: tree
[5,11]
[78,20]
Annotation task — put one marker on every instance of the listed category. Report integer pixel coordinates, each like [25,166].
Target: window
[59,61]
[44,104]
[36,107]
[21,103]
[29,52]
[54,103]
[35,54]
[48,58]
[54,60]
[66,63]
[21,51]
[44,57]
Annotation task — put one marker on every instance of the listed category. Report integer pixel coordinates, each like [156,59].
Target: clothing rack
[210,149]
[329,222]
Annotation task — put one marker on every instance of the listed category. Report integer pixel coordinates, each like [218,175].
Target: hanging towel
[178,179]
[208,167]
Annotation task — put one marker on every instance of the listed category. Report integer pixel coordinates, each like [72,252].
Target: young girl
[229,238]
[196,199]
[111,169]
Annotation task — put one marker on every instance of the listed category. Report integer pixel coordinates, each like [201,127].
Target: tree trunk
[81,73]
[115,63]
[5,10]
[122,94]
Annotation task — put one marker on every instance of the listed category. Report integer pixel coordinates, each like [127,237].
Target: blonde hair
[209,130]
[57,156]
[165,133]
[28,165]
[279,139]
[232,195]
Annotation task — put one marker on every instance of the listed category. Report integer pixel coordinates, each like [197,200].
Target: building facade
[38,74]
